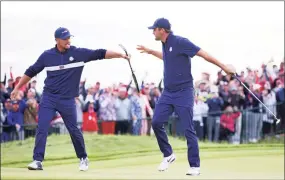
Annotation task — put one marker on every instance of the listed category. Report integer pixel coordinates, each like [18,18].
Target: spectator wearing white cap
[269,99]
[250,78]
[107,111]
[215,104]
[31,113]
[123,112]
[31,94]
[254,121]
[90,94]
[33,85]
[30,117]
[200,108]
[203,93]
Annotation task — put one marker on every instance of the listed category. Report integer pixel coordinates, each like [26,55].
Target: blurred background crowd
[223,108]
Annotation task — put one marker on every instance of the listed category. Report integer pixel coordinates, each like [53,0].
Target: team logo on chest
[71,58]
[170,49]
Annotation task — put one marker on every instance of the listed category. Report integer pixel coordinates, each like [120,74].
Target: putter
[133,74]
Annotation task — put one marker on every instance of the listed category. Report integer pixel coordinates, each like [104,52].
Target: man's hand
[112,54]
[229,69]
[14,94]
[125,57]
[143,49]
[146,50]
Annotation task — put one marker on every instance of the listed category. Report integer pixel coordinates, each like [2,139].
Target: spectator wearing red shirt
[228,123]
[90,119]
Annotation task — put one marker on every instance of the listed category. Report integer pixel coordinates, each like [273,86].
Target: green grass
[128,157]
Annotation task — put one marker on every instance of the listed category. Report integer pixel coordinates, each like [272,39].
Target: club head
[122,46]
[278,121]
[124,49]
[126,52]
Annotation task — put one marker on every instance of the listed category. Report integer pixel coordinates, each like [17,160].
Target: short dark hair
[166,30]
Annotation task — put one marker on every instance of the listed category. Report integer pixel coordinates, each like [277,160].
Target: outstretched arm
[33,70]
[157,54]
[24,80]
[143,49]
[190,49]
[214,61]
[98,54]
[111,54]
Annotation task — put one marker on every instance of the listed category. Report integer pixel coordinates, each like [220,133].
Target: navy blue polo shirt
[63,69]
[177,54]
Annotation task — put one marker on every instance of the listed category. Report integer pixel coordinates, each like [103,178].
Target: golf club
[277,120]
[133,74]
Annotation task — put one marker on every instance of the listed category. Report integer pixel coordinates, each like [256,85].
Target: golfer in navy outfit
[178,93]
[64,64]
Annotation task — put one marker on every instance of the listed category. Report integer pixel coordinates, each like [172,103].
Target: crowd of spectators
[223,109]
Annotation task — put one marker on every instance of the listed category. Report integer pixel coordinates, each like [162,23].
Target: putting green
[139,157]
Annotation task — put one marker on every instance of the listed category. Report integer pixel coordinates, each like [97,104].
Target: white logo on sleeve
[170,49]
[71,58]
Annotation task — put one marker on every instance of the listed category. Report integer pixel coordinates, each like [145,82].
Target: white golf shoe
[83,166]
[193,171]
[165,162]
[35,165]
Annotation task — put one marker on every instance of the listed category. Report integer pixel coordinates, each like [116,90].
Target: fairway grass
[126,157]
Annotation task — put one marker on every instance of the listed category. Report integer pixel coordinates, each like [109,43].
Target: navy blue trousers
[67,109]
[180,102]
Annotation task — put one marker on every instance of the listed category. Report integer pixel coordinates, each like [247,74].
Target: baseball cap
[15,102]
[122,89]
[32,90]
[89,86]
[62,33]
[233,88]
[161,23]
